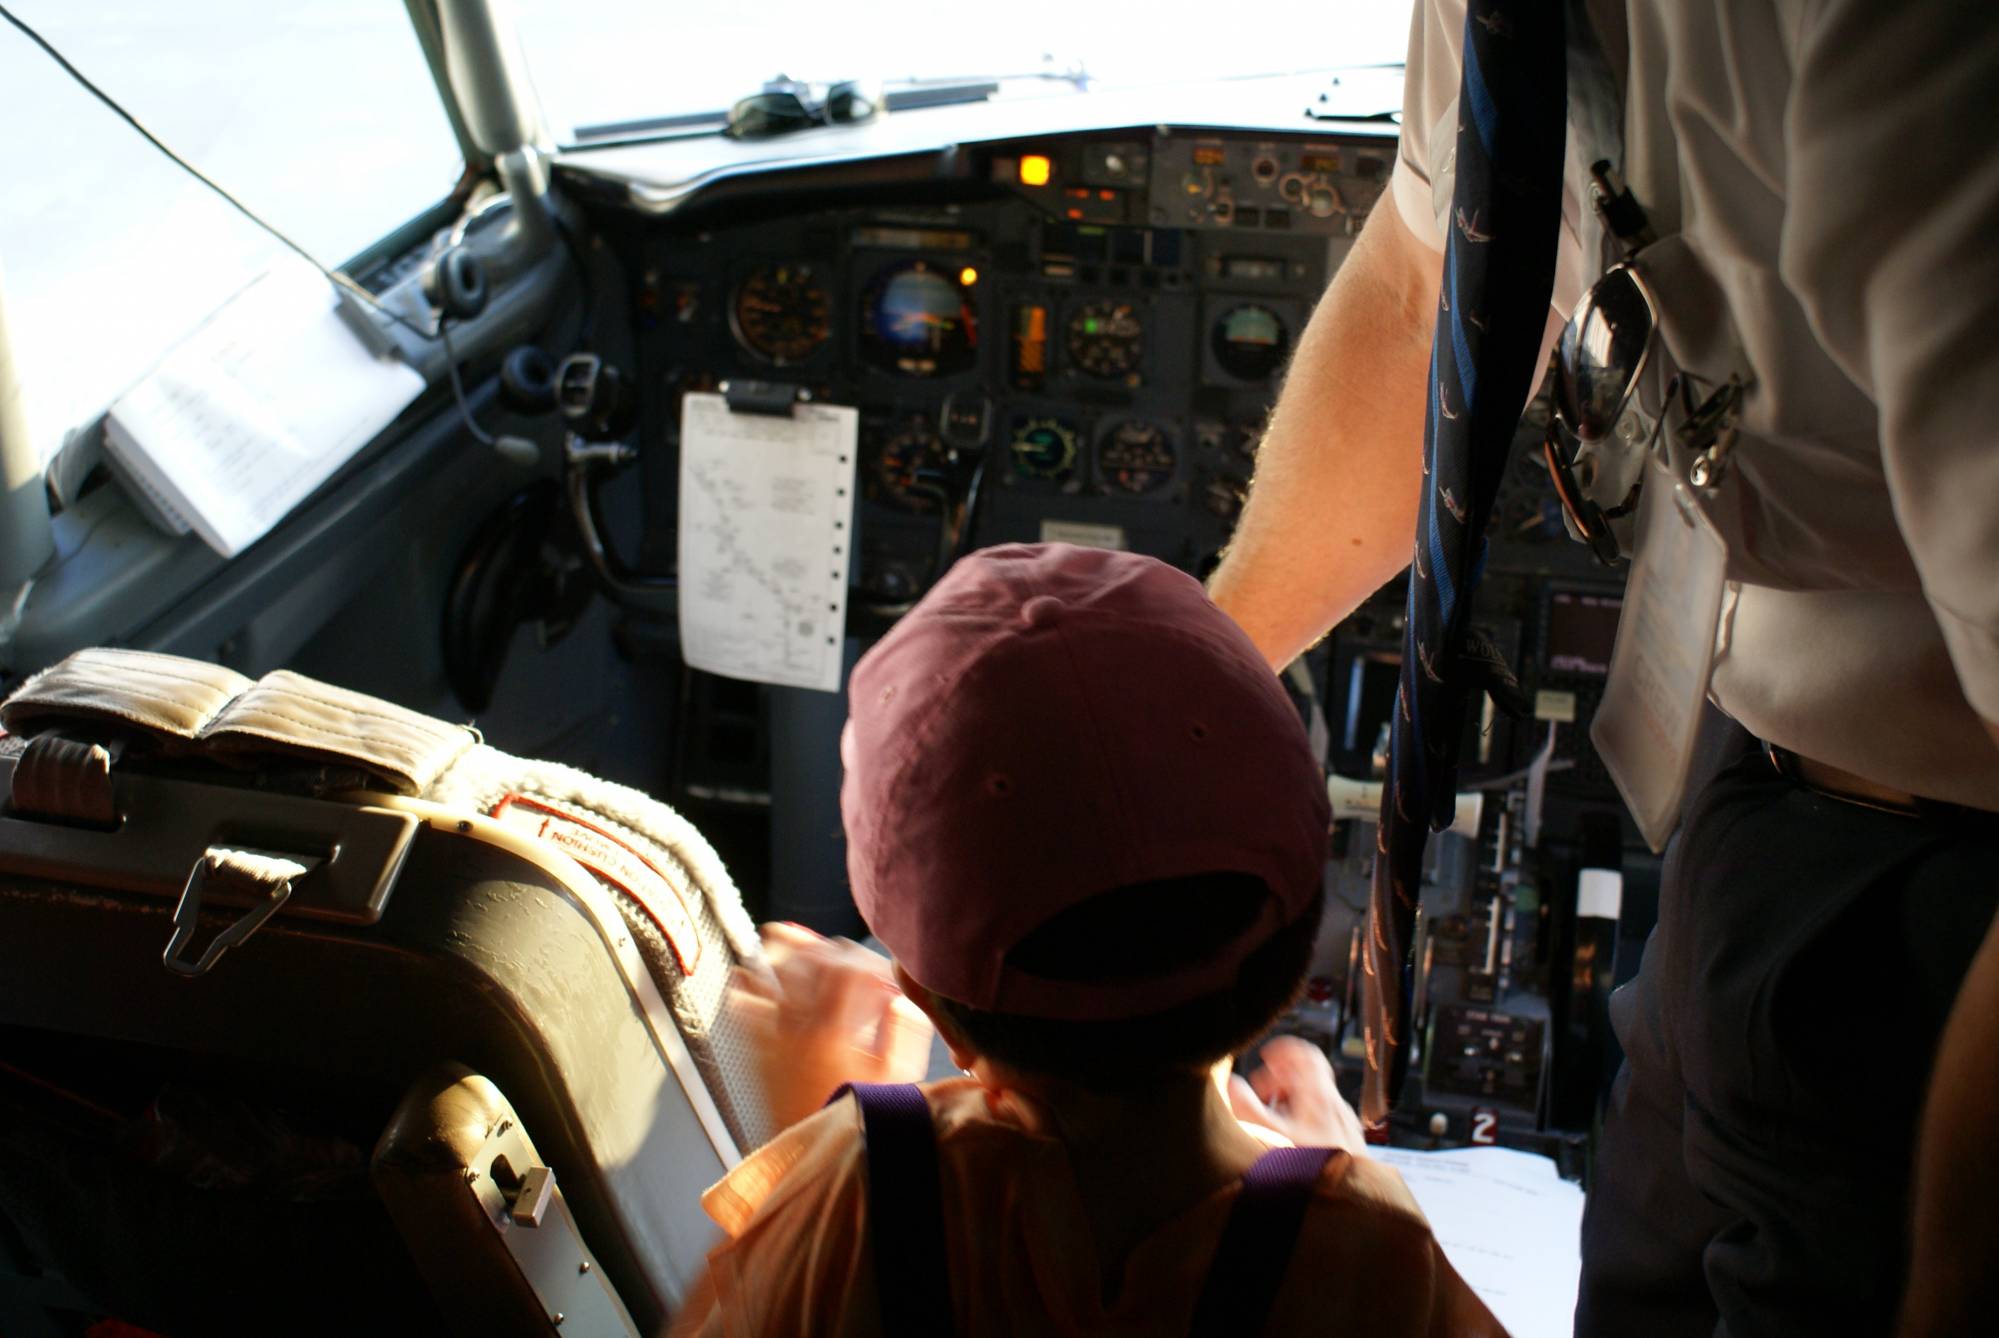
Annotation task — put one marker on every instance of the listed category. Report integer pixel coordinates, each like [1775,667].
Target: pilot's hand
[1292,1092]
[828,1013]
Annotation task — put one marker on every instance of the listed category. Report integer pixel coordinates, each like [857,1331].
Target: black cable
[333,276]
[479,434]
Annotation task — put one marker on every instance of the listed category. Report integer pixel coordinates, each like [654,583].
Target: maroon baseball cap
[1051,723]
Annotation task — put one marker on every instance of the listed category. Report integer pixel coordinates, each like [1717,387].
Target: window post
[24,509]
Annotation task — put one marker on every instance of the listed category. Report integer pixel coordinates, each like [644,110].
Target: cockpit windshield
[321,117]
[610,62]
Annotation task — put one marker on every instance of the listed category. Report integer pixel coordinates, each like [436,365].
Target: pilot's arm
[1331,514]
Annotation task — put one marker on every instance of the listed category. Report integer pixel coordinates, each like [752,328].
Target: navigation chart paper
[1509,1224]
[766,503]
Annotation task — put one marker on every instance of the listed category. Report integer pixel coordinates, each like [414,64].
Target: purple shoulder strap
[905,1209]
[1257,1242]
[906,1218]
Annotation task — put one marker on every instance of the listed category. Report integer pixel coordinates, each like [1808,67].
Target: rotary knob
[1322,201]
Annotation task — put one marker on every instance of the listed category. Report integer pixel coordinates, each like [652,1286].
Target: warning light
[1035,170]
[967,277]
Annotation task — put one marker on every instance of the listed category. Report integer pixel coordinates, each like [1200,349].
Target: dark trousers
[1753,1172]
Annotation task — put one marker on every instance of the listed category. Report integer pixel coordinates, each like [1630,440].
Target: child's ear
[962,1053]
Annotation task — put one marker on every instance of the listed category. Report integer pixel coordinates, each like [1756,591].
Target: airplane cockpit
[424,672]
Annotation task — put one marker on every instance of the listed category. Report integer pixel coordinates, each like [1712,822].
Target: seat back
[418,898]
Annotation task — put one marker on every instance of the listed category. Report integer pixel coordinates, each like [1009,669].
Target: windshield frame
[429,26]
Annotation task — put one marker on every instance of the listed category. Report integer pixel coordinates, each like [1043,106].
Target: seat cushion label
[614,861]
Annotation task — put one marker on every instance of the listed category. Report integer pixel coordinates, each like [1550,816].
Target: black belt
[1842,786]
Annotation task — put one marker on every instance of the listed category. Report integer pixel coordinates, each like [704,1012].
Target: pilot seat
[317,1014]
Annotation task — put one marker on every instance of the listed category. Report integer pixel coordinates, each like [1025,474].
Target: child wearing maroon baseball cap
[1083,817]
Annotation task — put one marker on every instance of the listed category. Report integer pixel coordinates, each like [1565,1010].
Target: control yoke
[599,410]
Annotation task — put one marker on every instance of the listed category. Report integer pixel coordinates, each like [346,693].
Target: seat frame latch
[264,877]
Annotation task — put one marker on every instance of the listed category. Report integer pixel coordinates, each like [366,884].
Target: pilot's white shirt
[1832,166]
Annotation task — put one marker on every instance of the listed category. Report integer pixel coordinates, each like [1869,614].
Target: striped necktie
[1499,271]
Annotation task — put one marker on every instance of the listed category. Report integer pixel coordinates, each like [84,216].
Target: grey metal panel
[661,176]
[271,601]
[116,580]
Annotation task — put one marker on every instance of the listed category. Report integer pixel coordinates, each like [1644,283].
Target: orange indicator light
[967,276]
[1035,169]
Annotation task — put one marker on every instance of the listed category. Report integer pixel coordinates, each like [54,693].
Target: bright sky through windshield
[615,60]
[319,113]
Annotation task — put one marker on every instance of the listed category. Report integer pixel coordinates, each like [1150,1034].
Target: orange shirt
[797,1259]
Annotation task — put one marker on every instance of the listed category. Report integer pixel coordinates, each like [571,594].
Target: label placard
[616,863]
[1645,729]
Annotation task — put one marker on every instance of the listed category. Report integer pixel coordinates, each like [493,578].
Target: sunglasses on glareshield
[778,110]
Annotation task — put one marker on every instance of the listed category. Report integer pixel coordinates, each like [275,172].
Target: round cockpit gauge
[918,319]
[781,313]
[1137,457]
[1250,341]
[1043,448]
[909,451]
[1106,339]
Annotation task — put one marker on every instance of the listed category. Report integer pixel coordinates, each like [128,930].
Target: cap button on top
[1041,611]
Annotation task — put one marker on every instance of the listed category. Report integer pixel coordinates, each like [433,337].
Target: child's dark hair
[1131,933]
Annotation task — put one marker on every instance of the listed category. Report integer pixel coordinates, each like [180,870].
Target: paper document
[259,406]
[766,506]
[1509,1224]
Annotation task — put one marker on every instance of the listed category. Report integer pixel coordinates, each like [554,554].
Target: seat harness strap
[1257,1242]
[906,1216]
[905,1209]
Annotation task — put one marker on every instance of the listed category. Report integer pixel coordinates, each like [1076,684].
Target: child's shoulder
[1371,1186]
[823,1155]
[821,1151]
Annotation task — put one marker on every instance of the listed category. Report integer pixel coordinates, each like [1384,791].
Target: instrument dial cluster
[921,320]
[1106,340]
[1089,360]
[1137,457]
[1044,449]
[782,313]
[905,465]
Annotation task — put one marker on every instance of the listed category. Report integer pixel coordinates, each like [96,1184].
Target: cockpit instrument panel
[1077,337]
[1267,185]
